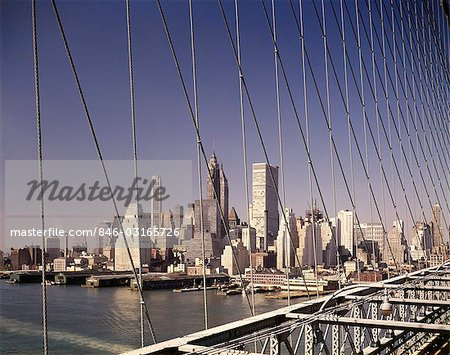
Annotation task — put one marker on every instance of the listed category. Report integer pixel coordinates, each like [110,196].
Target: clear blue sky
[96,32]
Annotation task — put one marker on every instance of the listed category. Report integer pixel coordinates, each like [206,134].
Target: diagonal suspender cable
[326,121]
[261,140]
[100,156]
[366,143]
[408,118]
[135,161]
[384,130]
[308,144]
[390,114]
[374,78]
[330,132]
[418,141]
[302,135]
[286,253]
[363,109]
[41,175]
[347,104]
[197,132]
[199,164]
[351,125]
[244,149]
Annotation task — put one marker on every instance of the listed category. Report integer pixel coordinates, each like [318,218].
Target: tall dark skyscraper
[214,230]
[436,226]
[219,184]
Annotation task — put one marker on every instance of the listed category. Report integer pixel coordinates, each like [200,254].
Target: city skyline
[104,76]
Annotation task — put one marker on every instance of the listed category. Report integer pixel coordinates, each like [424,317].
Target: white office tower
[156,206]
[242,257]
[308,253]
[345,230]
[139,244]
[421,241]
[285,247]
[264,208]
[394,252]
[370,231]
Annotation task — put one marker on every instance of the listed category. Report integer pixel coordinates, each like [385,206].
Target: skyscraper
[53,248]
[264,208]
[214,239]
[310,250]
[156,206]
[178,215]
[345,230]
[286,248]
[436,226]
[139,244]
[396,248]
[217,186]
[214,228]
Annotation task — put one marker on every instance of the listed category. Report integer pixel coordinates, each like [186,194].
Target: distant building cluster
[209,235]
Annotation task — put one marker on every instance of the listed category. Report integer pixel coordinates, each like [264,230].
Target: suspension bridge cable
[438,81]
[302,134]
[398,132]
[308,144]
[102,162]
[197,131]
[367,152]
[408,117]
[286,254]
[333,178]
[377,116]
[135,161]
[359,95]
[41,175]
[347,105]
[244,151]
[199,164]
[426,140]
[258,130]
[325,118]
[369,126]
[363,109]
[412,63]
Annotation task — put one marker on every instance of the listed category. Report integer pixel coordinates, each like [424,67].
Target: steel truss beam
[382,324]
[414,301]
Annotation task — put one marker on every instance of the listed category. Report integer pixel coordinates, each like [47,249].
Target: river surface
[106,320]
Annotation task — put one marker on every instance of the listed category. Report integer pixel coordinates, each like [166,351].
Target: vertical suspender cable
[197,132]
[305,103]
[347,105]
[363,99]
[244,150]
[100,157]
[135,161]
[397,102]
[386,92]
[41,174]
[365,126]
[408,118]
[255,119]
[380,148]
[285,244]
[330,132]
[199,164]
